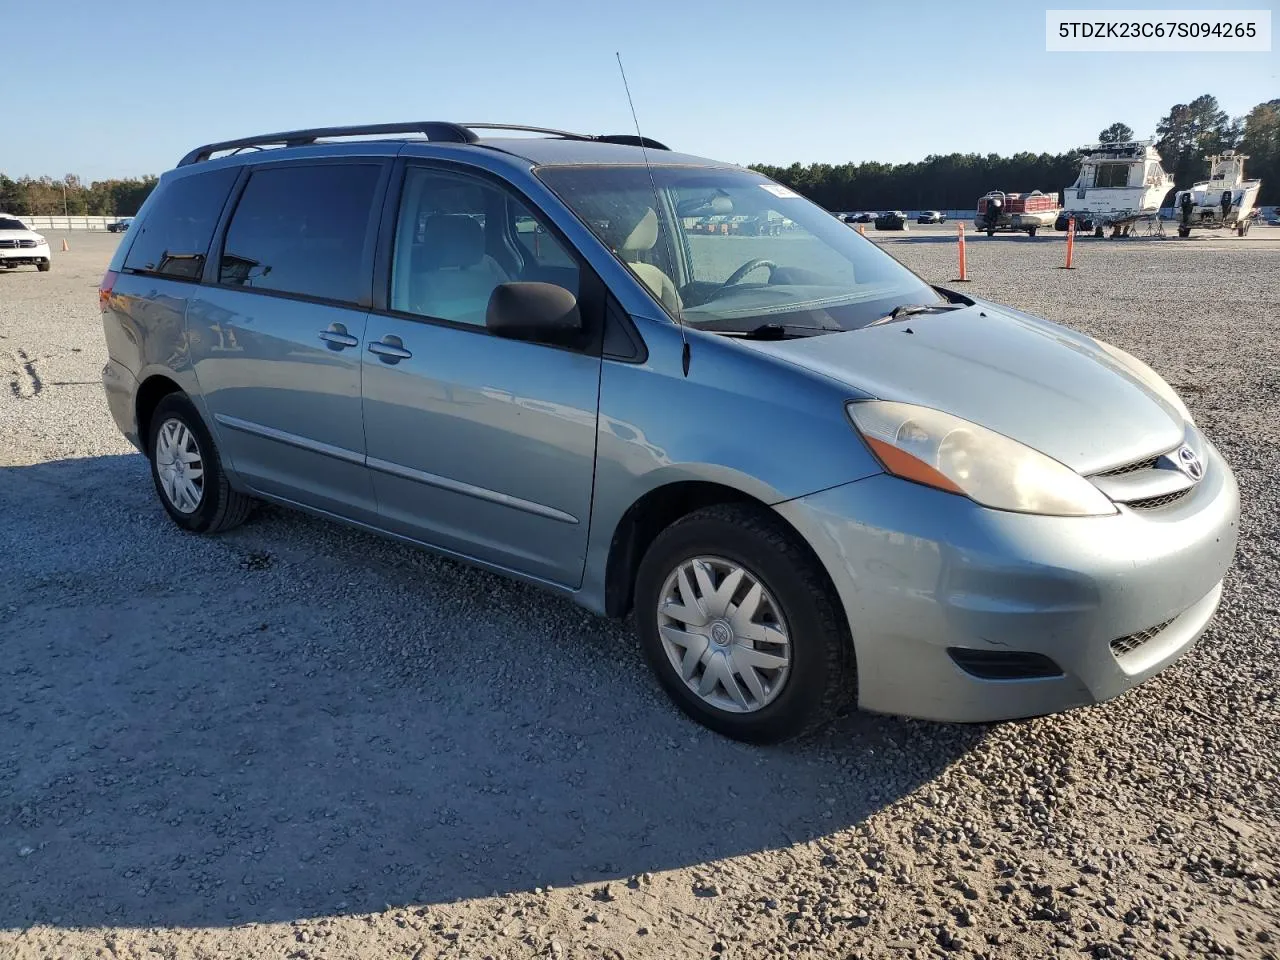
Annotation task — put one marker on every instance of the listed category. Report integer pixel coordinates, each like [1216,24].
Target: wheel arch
[150,392]
[658,509]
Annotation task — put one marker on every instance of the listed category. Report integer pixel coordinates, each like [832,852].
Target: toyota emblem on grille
[1189,463]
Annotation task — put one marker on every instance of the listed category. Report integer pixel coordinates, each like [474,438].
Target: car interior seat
[633,238]
[451,276]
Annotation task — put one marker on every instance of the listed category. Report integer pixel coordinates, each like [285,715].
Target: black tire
[44,267]
[219,507]
[1031,231]
[820,678]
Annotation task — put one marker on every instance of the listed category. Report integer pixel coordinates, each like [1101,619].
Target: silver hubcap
[724,634]
[179,466]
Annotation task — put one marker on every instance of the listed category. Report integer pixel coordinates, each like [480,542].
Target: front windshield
[728,250]
[8,223]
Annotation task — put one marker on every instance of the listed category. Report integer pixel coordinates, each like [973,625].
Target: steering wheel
[742,271]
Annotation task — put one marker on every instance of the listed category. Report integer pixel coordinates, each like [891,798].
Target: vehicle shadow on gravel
[296,720]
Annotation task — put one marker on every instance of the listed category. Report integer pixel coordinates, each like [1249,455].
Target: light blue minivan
[583,361]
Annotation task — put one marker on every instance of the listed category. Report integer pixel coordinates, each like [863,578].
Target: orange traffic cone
[65,246]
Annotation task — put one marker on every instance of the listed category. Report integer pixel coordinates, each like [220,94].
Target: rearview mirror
[541,312]
[718,205]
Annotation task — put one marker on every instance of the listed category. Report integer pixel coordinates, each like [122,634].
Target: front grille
[1151,503]
[8,244]
[27,244]
[1122,646]
[1148,464]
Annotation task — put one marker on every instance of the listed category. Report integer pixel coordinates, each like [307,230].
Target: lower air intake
[1121,646]
[1004,664]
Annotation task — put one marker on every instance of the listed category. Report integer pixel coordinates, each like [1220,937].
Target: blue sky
[127,87]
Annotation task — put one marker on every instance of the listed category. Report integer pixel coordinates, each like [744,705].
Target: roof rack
[437,130]
[625,139]
[431,129]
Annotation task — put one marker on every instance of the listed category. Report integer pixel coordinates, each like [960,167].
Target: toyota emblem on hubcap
[1189,463]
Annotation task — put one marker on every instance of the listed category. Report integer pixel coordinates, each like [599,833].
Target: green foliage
[1116,133]
[951,182]
[44,196]
[1260,139]
[1189,133]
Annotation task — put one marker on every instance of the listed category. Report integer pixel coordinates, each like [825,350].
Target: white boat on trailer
[1119,186]
[1223,202]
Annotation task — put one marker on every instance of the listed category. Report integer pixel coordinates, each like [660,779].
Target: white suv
[19,246]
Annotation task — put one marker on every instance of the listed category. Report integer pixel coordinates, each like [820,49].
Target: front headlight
[40,239]
[947,453]
[1148,377]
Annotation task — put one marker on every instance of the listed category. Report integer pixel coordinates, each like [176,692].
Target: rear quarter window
[173,237]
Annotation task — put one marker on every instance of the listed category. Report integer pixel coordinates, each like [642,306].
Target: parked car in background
[801,504]
[931,216]
[119,226]
[865,217]
[891,220]
[20,246]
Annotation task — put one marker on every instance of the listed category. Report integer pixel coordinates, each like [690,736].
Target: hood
[21,235]
[1034,381]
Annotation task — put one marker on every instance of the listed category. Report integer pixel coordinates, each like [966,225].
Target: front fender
[742,419]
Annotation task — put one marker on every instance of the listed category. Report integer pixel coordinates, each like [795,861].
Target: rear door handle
[337,337]
[390,349]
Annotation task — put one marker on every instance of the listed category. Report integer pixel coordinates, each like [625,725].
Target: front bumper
[30,256]
[920,571]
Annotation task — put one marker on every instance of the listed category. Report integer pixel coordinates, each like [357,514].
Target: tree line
[1185,136]
[46,196]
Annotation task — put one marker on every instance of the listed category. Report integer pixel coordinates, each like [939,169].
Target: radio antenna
[657,212]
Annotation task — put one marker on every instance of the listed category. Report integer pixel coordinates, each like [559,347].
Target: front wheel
[187,470]
[741,625]
[44,267]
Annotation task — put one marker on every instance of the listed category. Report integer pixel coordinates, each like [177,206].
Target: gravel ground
[298,741]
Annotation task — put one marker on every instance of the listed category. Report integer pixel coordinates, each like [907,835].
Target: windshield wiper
[908,309]
[780,331]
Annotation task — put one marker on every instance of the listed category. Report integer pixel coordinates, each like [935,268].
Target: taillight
[104,289]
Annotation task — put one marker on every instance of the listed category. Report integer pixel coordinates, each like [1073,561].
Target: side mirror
[541,312]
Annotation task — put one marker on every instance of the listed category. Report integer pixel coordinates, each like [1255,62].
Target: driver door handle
[337,338]
[390,349]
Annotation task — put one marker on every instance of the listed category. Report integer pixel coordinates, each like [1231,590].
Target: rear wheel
[741,625]
[187,470]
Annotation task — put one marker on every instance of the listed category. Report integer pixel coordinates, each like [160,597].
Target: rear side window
[175,235]
[303,230]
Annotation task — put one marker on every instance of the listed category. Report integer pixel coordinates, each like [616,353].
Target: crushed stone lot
[300,741]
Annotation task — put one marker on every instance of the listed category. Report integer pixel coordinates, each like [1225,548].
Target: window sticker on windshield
[778,190]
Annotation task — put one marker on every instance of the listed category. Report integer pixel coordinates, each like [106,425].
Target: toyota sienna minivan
[815,478]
